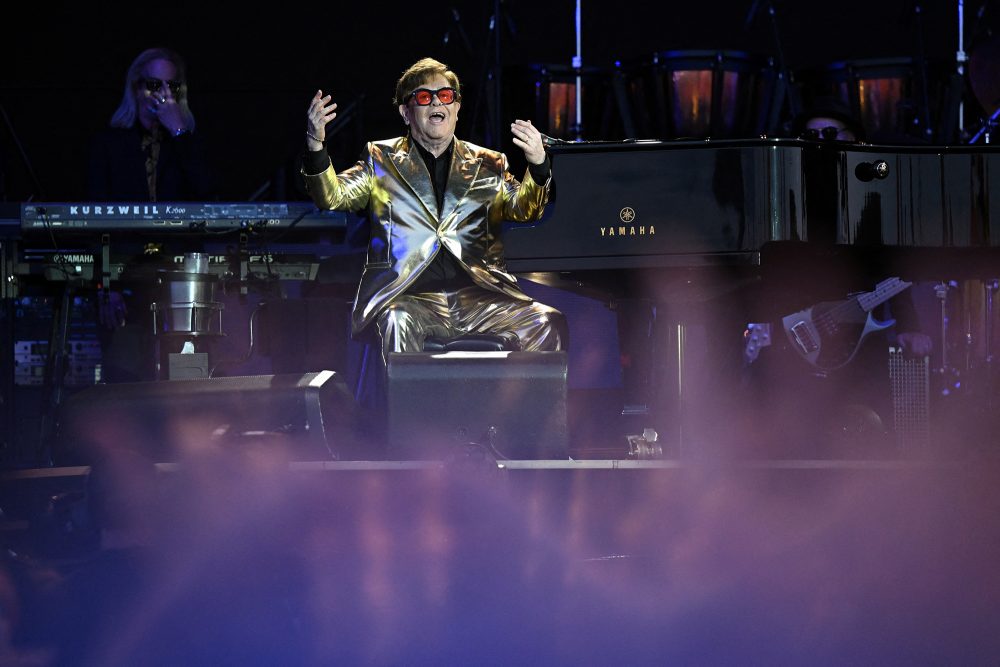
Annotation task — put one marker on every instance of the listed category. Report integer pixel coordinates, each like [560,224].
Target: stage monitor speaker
[511,404]
[312,416]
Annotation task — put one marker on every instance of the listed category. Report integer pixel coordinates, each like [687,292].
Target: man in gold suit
[436,204]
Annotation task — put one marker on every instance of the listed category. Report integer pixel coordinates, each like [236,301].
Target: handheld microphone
[552,141]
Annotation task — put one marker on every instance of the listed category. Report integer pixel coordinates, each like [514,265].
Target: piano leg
[677,390]
[636,341]
[685,381]
[656,372]
[702,407]
[670,368]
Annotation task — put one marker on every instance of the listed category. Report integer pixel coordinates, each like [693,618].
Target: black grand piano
[686,204]
[689,223]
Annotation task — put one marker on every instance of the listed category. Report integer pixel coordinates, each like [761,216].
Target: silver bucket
[187,305]
[196,262]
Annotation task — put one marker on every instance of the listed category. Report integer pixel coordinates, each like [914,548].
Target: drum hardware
[922,114]
[488,105]
[972,369]
[984,80]
[783,91]
[961,58]
[991,287]
[950,378]
[577,129]
[982,64]
[968,378]
[619,88]
[559,99]
[986,129]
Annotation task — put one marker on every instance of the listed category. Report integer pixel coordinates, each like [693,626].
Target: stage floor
[248,559]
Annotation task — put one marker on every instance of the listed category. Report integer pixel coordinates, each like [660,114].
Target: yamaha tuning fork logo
[627,216]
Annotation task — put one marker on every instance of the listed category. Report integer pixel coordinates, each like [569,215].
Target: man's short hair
[421,71]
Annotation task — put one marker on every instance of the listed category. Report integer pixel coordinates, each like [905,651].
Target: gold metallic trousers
[471,310]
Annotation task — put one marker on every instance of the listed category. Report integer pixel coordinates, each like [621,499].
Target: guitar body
[829,334]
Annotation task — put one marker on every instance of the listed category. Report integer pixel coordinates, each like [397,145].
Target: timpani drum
[551,99]
[882,93]
[703,94]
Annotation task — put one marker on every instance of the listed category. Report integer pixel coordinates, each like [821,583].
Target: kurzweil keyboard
[177,217]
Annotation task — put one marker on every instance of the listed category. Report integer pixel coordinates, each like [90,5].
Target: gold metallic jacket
[392,182]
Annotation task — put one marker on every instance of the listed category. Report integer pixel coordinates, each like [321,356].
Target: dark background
[253,69]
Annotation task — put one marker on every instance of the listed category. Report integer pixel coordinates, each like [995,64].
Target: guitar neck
[884,291]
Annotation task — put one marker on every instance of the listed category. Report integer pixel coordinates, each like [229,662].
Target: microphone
[552,141]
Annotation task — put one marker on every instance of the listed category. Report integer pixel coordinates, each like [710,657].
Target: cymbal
[984,74]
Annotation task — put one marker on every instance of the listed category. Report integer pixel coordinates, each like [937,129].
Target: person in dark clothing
[829,119]
[149,153]
[834,400]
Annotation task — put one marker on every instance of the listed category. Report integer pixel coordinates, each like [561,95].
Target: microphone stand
[578,67]
[23,154]
[786,90]
[456,20]
[960,59]
[925,105]
[491,86]
[783,90]
[497,69]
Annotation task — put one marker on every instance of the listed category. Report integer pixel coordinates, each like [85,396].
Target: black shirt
[444,273]
[117,168]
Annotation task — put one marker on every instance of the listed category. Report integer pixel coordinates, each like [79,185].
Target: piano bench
[501,404]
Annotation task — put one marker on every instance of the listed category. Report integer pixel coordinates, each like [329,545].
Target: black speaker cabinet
[311,415]
[512,403]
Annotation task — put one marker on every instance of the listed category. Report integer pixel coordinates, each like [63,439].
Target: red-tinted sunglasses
[424,96]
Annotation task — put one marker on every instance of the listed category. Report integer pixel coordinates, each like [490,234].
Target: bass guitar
[829,334]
